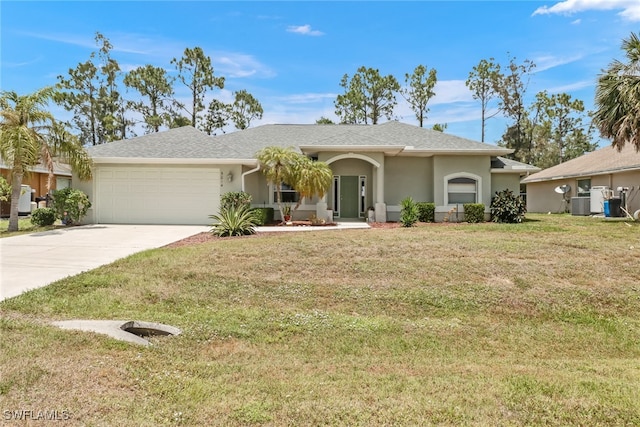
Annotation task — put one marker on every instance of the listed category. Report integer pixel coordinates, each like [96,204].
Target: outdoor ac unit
[598,195]
[580,206]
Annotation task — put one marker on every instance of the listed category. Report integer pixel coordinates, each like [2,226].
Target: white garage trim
[143,194]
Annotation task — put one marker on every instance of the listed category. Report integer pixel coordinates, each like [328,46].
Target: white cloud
[304,30]
[307,98]
[576,22]
[546,62]
[239,65]
[22,64]
[450,91]
[630,8]
[572,86]
[122,42]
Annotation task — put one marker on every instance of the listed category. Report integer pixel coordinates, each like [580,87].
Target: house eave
[173,161]
[582,174]
[454,152]
[387,149]
[403,150]
[522,171]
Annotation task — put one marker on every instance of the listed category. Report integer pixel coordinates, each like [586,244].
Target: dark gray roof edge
[586,173]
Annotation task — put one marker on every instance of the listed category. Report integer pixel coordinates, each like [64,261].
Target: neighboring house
[606,167]
[178,176]
[37,181]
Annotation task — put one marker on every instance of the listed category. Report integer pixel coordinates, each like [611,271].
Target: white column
[381,206]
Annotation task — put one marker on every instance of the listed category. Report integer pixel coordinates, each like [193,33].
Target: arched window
[462,188]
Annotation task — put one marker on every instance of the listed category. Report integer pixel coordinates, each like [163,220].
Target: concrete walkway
[338,226]
[35,260]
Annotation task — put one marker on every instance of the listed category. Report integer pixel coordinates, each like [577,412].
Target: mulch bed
[208,237]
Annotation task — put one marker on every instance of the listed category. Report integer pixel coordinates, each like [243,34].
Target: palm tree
[617,114]
[284,165]
[311,178]
[277,165]
[30,135]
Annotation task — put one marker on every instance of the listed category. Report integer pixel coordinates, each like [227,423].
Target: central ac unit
[580,206]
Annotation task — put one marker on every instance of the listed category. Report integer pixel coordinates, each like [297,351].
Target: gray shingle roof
[602,161]
[510,164]
[61,169]
[187,142]
[180,143]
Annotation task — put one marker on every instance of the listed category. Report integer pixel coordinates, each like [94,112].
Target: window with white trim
[289,195]
[363,195]
[462,190]
[584,187]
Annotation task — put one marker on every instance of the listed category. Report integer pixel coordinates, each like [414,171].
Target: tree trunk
[16,187]
[483,120]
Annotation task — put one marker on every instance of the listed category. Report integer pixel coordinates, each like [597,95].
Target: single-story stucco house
[595,175]
[178,176]
[36,182]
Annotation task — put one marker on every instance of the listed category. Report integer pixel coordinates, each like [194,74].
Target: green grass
[24,226]
[467,324]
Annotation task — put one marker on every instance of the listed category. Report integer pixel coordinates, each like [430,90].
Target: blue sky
[292,55]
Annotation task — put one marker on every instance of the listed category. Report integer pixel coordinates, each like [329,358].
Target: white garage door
[156,195]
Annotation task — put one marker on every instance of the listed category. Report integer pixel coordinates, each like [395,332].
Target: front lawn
[24,226]
[449,324]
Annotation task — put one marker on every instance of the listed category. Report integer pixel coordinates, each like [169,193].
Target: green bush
[234,221]
[408,213]
[71,205]
[235,198]
[473,212]
[263,215]
[426,211]
[507,207]
[43,217]
[5,190]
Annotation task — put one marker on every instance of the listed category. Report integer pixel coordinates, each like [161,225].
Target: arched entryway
[355,188]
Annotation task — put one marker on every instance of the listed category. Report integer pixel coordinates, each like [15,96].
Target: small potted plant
[371,214]
[286,211]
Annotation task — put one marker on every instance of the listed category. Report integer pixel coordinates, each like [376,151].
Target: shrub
[473,212]
[71,205]
[235,198]
[408,213]
[263,215]
[507,207]
[43,217]
[426,211]
[234,221]
[5,190]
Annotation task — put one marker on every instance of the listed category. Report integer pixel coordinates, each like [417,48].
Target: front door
[349,197]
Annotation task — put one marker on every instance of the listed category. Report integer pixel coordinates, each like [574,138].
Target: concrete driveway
[34,260]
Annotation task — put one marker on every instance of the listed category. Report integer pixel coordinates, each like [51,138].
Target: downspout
[247,173]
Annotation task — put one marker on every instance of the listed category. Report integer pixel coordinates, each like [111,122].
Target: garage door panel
[162,195]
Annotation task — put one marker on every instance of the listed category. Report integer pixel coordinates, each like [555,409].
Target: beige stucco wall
[408,177]
[476,165]
[256,184]
[542,198]
[88,188]
[505,181]
[353,167]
